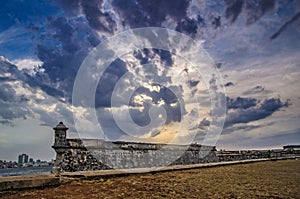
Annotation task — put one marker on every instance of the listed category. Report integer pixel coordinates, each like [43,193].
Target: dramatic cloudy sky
[254,43]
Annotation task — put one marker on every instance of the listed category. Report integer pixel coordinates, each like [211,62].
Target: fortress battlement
[95,154]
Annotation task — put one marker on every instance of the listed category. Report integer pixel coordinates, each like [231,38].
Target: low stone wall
[28,181]
[255,154]
[91,154]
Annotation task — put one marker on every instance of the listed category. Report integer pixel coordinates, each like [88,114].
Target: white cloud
[30,65]
[11,34]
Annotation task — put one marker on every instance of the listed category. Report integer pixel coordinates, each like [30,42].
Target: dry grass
[280,179]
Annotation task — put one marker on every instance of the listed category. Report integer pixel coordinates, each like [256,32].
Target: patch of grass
[272,179]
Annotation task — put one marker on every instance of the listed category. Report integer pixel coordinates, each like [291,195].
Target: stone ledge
[28,181]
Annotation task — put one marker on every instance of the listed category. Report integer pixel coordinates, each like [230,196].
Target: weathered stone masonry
[93,154]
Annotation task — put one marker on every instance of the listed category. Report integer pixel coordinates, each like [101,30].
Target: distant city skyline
[23,160]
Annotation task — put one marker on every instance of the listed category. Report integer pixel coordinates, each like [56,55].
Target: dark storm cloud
[139,116]
[11,111]
[219,65]
[11,105]
[142,118]
[101,21]
[234,9]
[216,22]
[228,84]
[64,42]
[204,124]
[15,105]
[49,89]
[257,90]
[201,21]
[108,81]
[193,83]
[157,10]
[188,26]
[165,56]
[62,48]
[145,56]
[167,96]
[141,13]
[97,19]
[7,67]
[131,13]
[240,103]
[249,113]
[142,55]
[254,9]
[8,94]
[285,25]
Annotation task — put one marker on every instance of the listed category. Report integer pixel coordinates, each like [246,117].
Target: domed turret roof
[60,126]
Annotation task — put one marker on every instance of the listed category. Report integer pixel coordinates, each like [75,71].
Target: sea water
[25,171]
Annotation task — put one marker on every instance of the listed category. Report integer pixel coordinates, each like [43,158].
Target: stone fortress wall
[94,154]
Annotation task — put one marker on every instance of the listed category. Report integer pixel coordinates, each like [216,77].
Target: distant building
[20,159]
[23,158]
[292,147]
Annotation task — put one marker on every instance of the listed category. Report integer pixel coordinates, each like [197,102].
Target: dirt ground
[272,179]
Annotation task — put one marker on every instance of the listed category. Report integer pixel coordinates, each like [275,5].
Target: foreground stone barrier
[29,181]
